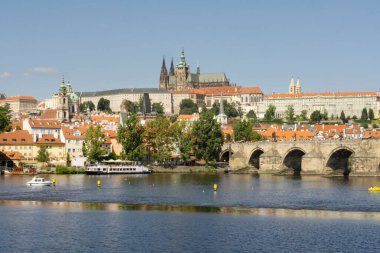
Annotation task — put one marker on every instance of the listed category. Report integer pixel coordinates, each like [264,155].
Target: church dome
[73,97]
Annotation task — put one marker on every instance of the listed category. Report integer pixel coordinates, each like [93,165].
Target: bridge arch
[254,158]
[293,159]
[339,160]
[225,155]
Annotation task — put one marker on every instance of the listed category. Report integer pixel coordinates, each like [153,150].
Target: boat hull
[114,173]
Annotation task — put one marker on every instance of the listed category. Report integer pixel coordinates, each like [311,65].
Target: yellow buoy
[53,180]
[215,187]
[374,189]
[99,183]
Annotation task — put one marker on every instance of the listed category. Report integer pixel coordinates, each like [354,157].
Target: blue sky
[97,45]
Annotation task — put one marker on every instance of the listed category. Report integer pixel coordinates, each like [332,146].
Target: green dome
[74,96]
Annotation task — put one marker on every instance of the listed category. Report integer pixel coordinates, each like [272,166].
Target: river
[182,213]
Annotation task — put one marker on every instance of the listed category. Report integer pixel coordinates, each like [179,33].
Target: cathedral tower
[292,87]
[298,87]
[181,73]
[164,78]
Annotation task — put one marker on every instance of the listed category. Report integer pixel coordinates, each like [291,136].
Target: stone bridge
[354,157]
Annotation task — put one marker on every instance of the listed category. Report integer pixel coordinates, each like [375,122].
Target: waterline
[230,210]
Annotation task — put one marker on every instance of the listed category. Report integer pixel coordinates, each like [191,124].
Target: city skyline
[329,46]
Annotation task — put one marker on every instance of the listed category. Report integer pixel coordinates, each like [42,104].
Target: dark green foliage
[257,137]
[129,106]
[229,109]
[131,138]
[371,115]
[243,131]
[207,138]
[364,116]
[92,145]
[252,115]
[43,154]
[104,105]
[343,116]
[88,104]
[188,107]
[158,108]
[68,170]
[316,116]
[5,118]
[269,113]
[289,114]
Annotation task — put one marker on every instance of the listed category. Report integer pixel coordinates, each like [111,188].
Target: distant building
[65,103]
[20,104]
[181,78]
[351,103]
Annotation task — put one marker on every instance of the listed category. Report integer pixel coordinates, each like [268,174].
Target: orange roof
[187,117]
[327,128]
[324,94]
[48,139]
[78,132]
[11,155]
[372,134]
[250,90]
[99,118]
[288,134]
[16,98]
[37,123]
[16,138]
[49,114]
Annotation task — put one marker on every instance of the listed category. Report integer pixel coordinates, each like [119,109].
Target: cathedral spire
[171,73]
[198,69]
[292,87]
[163,63]
[164,79]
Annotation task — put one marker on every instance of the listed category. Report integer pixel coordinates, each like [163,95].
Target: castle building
[180,77]
[64,104]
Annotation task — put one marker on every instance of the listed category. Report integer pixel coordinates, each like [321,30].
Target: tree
[316,116]
[43,154]
[243,131]
[229,109]
[207,138]
[87,104]
[289,114]
[92,145]
[129,107]
[354,117]
[131,137]
[364,116]
[252,115]
[104,105]
[5,118]
[303,115]
[257,137]
[343,116]
[269,113]
[371,115]
[158,108]
[158,138]
[68,160]
[188,107]
[332,117]
[325,115]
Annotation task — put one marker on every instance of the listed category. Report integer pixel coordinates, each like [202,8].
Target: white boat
[39,181]
[116,167]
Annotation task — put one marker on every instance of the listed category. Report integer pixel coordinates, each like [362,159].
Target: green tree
[258,137]
[158,108]
[92,144]
[229,109]
[371,115]
[243,131]
[207,138]
[325,115]
[104,105]
[188,107]
[5,118]
[43,154]
[158,138]
[269,113]
[354,117]
[131,137]
[342,116]
[289,114]
[129,107]
[364,116]
[303,115]
[252,115]
[68,160]
[87,104]
[332,117]
[316,116]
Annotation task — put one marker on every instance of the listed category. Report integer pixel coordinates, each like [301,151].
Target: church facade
[180,78]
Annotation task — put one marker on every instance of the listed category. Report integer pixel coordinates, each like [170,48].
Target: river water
[182,213]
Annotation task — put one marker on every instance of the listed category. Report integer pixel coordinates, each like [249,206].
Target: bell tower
[181,73]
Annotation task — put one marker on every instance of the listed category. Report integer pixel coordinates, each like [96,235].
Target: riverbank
[186,169]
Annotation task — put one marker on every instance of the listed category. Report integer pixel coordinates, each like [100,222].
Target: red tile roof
[16,138]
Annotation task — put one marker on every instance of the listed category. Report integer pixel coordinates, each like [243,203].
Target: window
[14,140]
[22,140]
[4,139]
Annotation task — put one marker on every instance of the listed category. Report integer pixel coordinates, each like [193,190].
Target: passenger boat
[39,181]
[116,167]
[374,189]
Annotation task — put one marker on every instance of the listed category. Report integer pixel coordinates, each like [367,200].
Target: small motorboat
[374,189]
[39,181]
